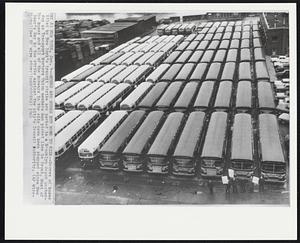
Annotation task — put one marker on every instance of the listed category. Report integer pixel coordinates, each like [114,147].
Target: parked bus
[60,99]
[190,28]
[255,35]
[112,98]
[185,72]
[245,55]
[158,47]
[212,30]
[256,42]
[232,55]
[199,37]
[158,155]
[238,29]
[171,73]
[143,39]
[245,43]
[122,58]
[228,72]
[168,29]
[228,29]
[272,159]
[172,57]
[131,101]
[213,45]
[186,96]
[190,37]
[183,45]
[152,97]
[265,97]
[213,71]
[196,56]
[58,114]
[58,83]
[185,156]
[246,35]
[152,39]
[157,73]
[220,29]
[109,153]
[175,29]
[116,49]
[259,54]
[203,45]
[96,75]
[78,71]
[71,103]
[227,36]
[88,151]
[224,24]
[214,147]
[185,55]
[72,134]
[223,98]
[129,48]
[244,71]
[161,29]
[199,72]
[217,37]
[235,44]
[204,97]
[242,147]
[243,101]
[177,39]
[192,46]
[220,56]
[138,75]
[106,78]
[236,35]
[224,45]
[62,88]
[91,99]
[65,120]
[261,71]
[168,98]
[121,76]
[133,58]
[207,56]
[169,39]
[148,47]
[168,48]
[156,59]
[110,59]
[133,155]
[182,28]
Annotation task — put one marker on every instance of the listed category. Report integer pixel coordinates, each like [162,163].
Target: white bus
[119,78]
[119,48]
[156,59]
[148,47]
[168,48]
[144,58]
[153,39]
[58,83]
[71,103]
[178,39]
[102,58]
[90,100]
[72,134]
[169,38]
[60,99]
[58,114]
[88,150]
[161,39]
[135,96]
[182,28]
[129,47]
[122,58]
[78,71]
[99,73]
[157,73]
[111,98]
[190,28]
[138,75]
[65,120]
[161,29]
[132,58]
[139,47]
[157,47]
[106,78]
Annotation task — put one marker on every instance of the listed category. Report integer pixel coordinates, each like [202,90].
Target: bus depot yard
[188,115]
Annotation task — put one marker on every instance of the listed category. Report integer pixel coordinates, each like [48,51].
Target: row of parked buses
[176,29]
[186,143]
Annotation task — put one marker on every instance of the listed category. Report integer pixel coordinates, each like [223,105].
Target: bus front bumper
[158,169]
[211,172]
[271,177]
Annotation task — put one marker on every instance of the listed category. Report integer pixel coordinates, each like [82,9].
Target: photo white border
[134,222]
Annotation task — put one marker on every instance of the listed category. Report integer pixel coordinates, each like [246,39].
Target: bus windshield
[272,167]
[243,165]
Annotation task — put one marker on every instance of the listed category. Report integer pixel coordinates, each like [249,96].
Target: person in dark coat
[261,184]
[210,186]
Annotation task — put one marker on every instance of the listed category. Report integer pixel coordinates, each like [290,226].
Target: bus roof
[232,55]
[190,136]
[192,46]
[271,149]
[137,74]
[199,37]
[185,72]
[135,95]
[172,57]
[204,95]
[141,137]
[242,143]
[259,54]
[245,43]
[186,95]
[224,94]
[184,57]
[65,120]
[111,58]
[207,56]
[62,88]
[224,44]
[236,35]
[153,95]
[191,37]
[121,76]
[102,132]
[122,58]
[256,42]
[265,95]
[82,76]
[166,135]
[199,71]
[227,36]
[157,73]
[216,135]
[235,44]
[196,56]
[171,73]
[76,72]
[218,36]
[182,46]
[261,70]
[142,60]
[213,71]
[112,73]
[132,58]
[88,101]
[245,55]
[203,45]
[244,71]
[117,139]
[93,77]
[220,56]
[213,45]
[244,94]
[228,71]
[169,95]
[155,59]
[58,113]
[246,35]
